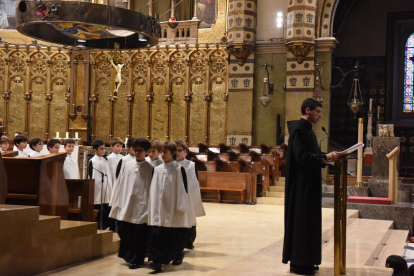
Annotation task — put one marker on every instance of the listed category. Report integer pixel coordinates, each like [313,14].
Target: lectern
[340,196]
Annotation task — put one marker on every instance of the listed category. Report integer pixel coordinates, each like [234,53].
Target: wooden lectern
[340,197]
[38,181]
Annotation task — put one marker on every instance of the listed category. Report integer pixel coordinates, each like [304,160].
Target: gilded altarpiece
[166,92]
[34,94]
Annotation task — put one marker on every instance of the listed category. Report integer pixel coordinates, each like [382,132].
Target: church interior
[225,77]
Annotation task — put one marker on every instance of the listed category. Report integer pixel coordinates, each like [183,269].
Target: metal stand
[340,196]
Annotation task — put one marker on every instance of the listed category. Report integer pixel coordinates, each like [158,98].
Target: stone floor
[231,240]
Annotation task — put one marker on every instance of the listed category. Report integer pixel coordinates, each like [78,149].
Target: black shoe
[190,246]
[302,270]
[316,267]
[179,259]
[157,267]
[133,266]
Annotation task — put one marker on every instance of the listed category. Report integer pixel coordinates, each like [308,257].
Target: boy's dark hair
[141,142]
[19,139]
[4,139]
[156,143]
[97,143]
[130,141]
[180,143]
[68,141]
[310,103]
[52,142]
[33,142]
[116,140]
[172,147]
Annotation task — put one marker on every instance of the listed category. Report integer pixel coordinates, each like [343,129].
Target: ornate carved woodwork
[300,49]
[167,92]
[240,51]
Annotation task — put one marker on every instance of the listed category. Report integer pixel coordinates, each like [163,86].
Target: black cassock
[303,196]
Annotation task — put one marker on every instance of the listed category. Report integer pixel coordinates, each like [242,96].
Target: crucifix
[118,68]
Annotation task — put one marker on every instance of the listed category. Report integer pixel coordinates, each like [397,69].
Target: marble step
[275,194]
[393,245]
[76,229]
[276,189]
[363,237]
[271,201]
[279,184]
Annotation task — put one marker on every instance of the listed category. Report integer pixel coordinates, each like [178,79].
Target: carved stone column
[242,21]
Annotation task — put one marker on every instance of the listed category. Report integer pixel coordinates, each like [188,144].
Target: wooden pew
[262,170]
[85,189]
[202,163]
[227,186]
[224,164]
[9,153]
[3,181]
[38,181]
[193,150]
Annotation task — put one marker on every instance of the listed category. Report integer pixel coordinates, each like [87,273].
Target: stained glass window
[409,77]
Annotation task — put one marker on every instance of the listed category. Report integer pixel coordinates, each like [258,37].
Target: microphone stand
[251,184]
[103,179]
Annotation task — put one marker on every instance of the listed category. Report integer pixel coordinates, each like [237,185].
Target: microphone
[327,136]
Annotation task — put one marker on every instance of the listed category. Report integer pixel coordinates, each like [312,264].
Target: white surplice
[156,162]
[21,153]
[70,167]
[113,160]
[35,154]
[100,164]
[169,203]
[130,199]
[193,186]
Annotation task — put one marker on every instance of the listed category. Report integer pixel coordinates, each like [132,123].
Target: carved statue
[386,131]
[118,69]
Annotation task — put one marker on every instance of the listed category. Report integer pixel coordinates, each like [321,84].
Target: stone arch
[325,17]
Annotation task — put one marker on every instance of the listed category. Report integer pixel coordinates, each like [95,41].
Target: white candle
[378,112]
[57,134]
[76,135]
[67,134]
[126,141]
[370,104]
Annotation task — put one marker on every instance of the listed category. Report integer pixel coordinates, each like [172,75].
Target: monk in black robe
[303,195]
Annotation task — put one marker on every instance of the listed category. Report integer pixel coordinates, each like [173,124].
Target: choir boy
[70,167]
[53,145]
[129,157]
[36,144]
[193,188]
[154,152]
[115,156]
[4,143]
[130,205]
[15,134]
[170,211]
[98,169]
[20,142]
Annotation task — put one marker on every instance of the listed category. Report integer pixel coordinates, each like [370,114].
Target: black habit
[303,196]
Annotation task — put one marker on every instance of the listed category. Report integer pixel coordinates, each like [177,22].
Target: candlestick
[360,152]
[57,134]
[370,104]
[67,134]
[76,135]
